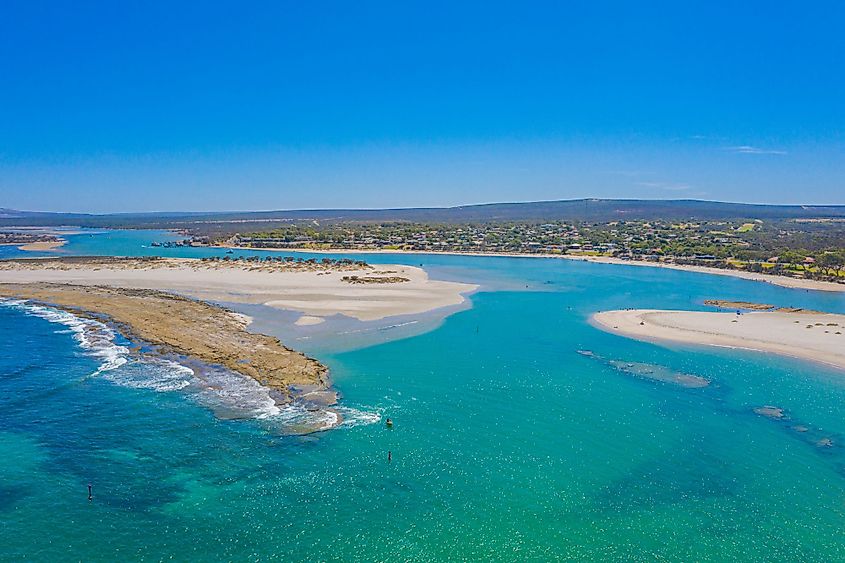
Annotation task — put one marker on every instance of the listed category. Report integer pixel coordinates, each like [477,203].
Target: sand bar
[819,337]
[306,320]
[43,246]
[313,289]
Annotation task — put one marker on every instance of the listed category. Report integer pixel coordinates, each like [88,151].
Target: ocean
[507,443]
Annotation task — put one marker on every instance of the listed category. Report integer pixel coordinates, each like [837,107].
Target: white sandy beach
[316,294]
[819,337]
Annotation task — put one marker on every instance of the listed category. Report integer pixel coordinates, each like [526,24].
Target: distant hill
[594,210]
[12,215]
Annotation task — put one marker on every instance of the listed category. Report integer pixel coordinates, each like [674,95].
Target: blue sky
[139,106]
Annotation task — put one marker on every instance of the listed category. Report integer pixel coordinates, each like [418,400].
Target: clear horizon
[213,107]
[282,210]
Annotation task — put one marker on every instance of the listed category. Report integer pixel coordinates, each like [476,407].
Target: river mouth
[505,444]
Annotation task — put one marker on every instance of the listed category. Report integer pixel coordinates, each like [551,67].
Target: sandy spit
[814,336]
[316,292]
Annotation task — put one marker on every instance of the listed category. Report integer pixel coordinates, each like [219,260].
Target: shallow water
[507,443]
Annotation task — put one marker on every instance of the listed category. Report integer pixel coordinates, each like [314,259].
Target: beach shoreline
[807,335]
[781,281]
[320,290]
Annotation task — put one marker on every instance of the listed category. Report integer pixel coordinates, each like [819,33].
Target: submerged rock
[652,372]
[314,395]
[770,411]
[659,373]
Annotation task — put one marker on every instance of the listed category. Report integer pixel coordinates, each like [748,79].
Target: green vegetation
[805,248]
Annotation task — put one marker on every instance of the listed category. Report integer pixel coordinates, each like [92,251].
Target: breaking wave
[227,394]
[95,338]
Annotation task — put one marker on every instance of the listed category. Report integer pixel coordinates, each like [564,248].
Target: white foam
[378,328]
[296,415]
[356,417]
[232,395]
[157,374]
[399,325]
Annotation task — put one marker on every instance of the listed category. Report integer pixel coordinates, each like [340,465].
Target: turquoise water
[507,443]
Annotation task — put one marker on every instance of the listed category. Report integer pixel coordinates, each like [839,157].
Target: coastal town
[807,249]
